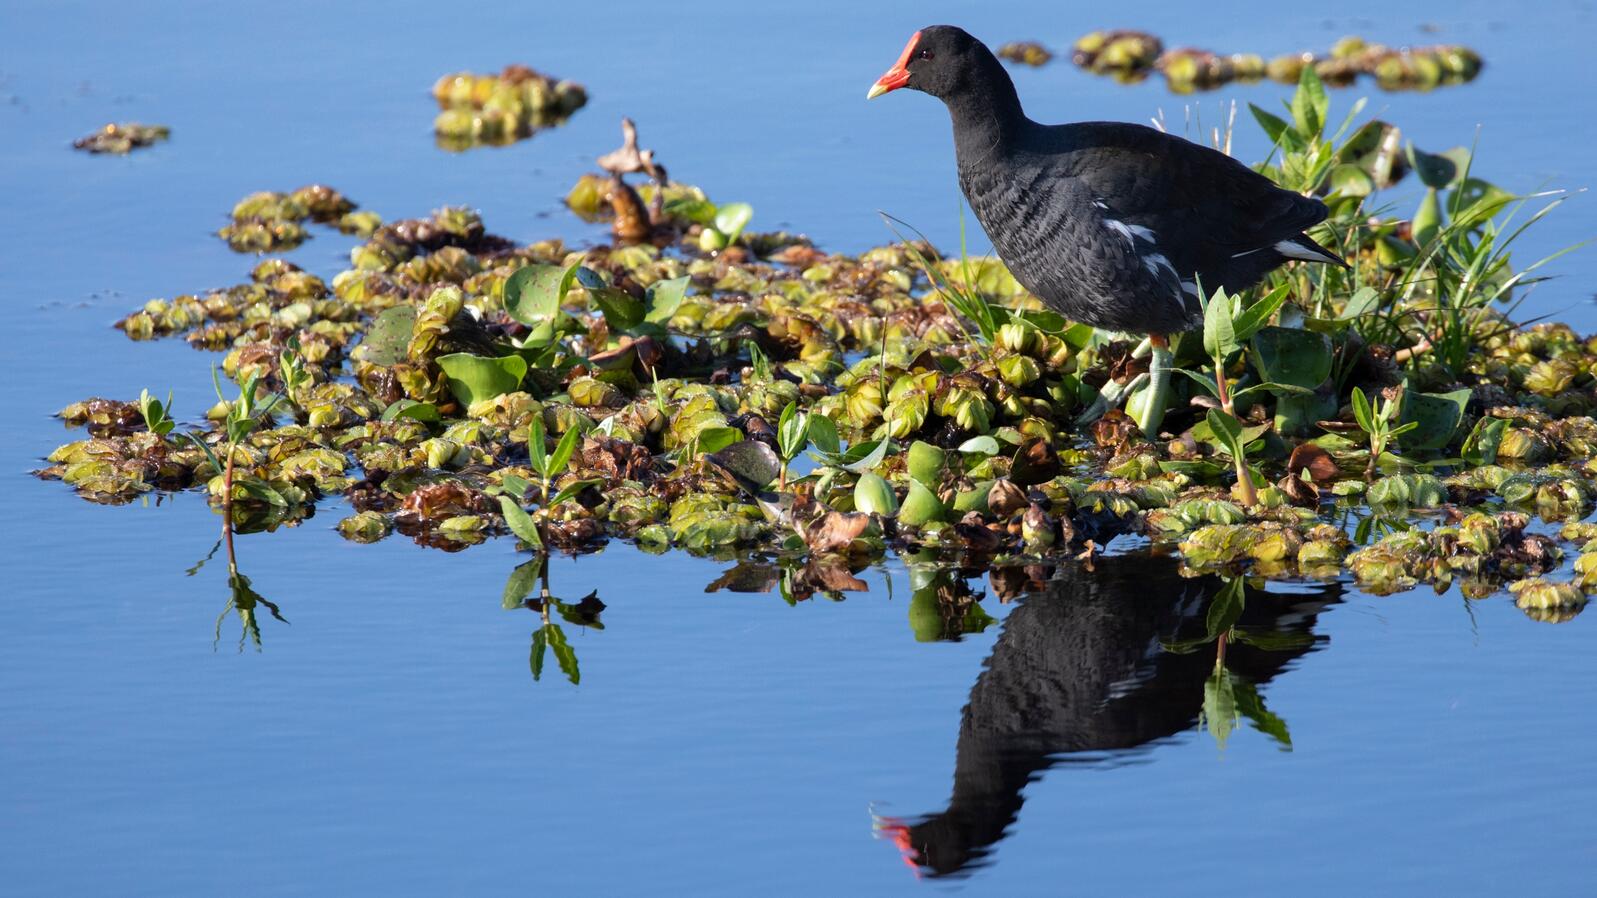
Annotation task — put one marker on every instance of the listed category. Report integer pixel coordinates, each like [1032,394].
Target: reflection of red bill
[892,827]
[898,75]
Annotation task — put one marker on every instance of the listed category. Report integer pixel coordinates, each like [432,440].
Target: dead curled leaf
[834,531]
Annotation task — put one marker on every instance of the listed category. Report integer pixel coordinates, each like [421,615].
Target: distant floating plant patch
[501,109]
[267,222]
[122,138]
[1130,56]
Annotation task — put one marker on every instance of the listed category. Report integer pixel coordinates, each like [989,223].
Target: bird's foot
[1147,408]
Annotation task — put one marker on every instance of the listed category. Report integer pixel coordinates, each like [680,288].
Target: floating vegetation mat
[268,222]
[703,387]
[122,138]
[496,110]
[1131,56]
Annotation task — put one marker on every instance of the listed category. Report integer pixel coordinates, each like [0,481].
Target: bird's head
[939,59]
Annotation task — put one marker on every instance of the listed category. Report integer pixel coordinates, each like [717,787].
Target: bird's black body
[1114,225]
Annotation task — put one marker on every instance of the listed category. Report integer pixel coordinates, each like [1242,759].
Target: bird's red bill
[898,75]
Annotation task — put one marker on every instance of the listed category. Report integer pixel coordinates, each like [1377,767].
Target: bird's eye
[925,54]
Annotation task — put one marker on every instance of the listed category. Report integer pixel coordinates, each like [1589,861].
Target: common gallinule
[1114,225]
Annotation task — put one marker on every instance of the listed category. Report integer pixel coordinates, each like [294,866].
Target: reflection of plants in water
[244,601]
[1228,699]
[943,607]
[550,636]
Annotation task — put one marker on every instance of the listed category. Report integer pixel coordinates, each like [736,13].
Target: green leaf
[1350,180]
[692,208]
[921,506]
[1257,315]
[982,445]
[260,489]
[514,486]
[862,457]
[473,378]
[823,433]
[1289,356]
[534,293]
[216,464]
[1362,413]
[1279,132]
[1435,170]
[1310,104]
[664,298]
[1251,705]
[537,451]
[924,462]
[1204,380]
[565,655]
[522,581]
[732,218]
[570,491]
[1427,221]
[1480,447]
[622,311]
[520,523]
[1227,431]
[792,431]
[1219,332]
[389,335]
[540,643]
[1434,416]
[562,454]
[1364,301]
[714,439]
[410,408]
[1220,704]
[1227,607]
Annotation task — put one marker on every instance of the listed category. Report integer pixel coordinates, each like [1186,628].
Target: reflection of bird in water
[1080,668]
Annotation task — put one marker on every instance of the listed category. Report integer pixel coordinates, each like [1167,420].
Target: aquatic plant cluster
[495,110]
[1130,56]
[121,138]
[751,395]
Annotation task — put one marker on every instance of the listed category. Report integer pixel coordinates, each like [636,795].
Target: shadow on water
[1107,659]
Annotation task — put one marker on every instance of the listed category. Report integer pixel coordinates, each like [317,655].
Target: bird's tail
[1304,248]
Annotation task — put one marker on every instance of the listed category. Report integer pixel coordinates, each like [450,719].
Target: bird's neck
[987,117]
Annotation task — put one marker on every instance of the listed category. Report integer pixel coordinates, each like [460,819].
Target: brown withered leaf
[834,531]
[1114,430]
[1036,463]
[617,460]
[435,502]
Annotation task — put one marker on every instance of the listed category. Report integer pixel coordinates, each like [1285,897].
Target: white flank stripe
[1157,261]
[1190,288]
[1119,227]
[1294,251]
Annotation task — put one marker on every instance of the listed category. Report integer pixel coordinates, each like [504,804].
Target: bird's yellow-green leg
[1148,406]
[1112,393]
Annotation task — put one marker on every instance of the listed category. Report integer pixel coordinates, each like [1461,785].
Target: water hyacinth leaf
[1364,301]
[519,522]
[925,463]
[1350,180]
[622,311]
[473,378]
[389,334]
[1480,447]
[1436,170]
[534,293]
[409,408]
[750,462]
[664,298]
[921,506]
[982,445]
[521,582]
[873,495]
[732,218]
[1289,356]
[1435,416]
[714,439]
[691,208]
[1427,220]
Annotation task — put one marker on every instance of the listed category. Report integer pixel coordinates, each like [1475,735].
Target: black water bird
[1081,668]
[1114,225]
